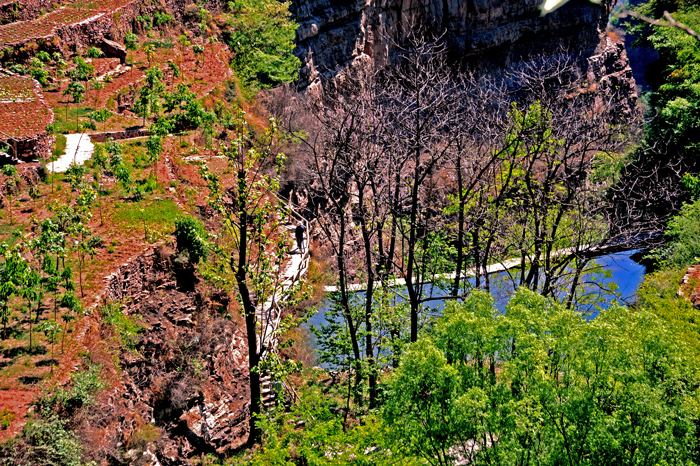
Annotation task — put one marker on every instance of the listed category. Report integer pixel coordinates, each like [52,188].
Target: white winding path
[491,269]
[269,313]
[79,148]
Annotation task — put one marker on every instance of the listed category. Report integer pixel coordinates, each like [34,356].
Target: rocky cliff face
[486,33]
[186,376]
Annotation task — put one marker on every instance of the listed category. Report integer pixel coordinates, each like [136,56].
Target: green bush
[81,392]
[684,232]
[6,418]
[126,329]
[43,443]
[190,237]
[261,35]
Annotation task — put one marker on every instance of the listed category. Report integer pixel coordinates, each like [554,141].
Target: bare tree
[420,94]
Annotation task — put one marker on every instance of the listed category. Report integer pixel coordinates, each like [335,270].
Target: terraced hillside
[24,115]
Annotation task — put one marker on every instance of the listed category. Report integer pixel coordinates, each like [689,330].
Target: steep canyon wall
[486,34]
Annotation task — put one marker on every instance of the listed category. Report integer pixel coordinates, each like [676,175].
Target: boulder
[114,49]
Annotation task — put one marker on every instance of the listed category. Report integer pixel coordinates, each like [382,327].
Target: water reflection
[611,278]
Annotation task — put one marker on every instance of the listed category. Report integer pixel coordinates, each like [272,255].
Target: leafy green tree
[183,42]
[676,99]
[542,385]
[51,330]
[76,90]
[72,305]
[32,292]
[131,42]
[101,115]
[148,102]
[154,143]
[150,51]
[175,70]
[35,194]
[97,86]
[255,249]
[122,172]
[83,70]
[208,120]
[261,35]
[13,272]
[38,70]
[185,110]
[59,64]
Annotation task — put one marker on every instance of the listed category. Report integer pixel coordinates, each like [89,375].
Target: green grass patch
[155,213]
[66,115]
[59,147]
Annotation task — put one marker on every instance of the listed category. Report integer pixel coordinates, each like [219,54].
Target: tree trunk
[345,301]
[410,287]
[460,228]
[250,320]
[369,266]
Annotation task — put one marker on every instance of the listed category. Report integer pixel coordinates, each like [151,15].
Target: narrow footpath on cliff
[269,314]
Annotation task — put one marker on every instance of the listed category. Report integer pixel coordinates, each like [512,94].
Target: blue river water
[613,278]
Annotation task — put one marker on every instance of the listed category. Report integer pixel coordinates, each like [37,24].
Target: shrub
[83,388]
[190,237]
[6,418]
[94,52]
[126,328]
[684,231]
[43,443]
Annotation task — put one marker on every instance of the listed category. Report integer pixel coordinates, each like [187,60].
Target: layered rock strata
[188,372]
[485,34]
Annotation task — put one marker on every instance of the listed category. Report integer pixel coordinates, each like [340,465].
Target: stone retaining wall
[119,135]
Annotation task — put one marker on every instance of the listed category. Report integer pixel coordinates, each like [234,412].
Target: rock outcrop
[114,49]
[187,374]
[486,34]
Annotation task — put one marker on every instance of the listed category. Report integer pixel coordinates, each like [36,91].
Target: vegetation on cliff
[419,179]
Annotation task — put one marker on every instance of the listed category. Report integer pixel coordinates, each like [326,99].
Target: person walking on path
[299,233]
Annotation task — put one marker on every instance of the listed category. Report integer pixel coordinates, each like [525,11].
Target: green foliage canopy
[541,385]
[190,236]
[261,35]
